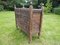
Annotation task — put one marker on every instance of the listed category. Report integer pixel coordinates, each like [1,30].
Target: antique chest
[29,20]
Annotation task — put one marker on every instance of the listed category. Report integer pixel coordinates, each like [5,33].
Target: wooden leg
[16,25]
[30,38]
[39,34]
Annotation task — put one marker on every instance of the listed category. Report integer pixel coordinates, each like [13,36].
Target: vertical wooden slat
[15,17]
[41,15]
[30,31]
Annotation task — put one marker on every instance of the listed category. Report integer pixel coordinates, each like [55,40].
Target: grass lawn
[50,33]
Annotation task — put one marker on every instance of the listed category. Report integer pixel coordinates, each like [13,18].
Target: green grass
[50,33]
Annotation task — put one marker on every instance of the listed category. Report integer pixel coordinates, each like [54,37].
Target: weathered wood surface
[22,18]
[29,20]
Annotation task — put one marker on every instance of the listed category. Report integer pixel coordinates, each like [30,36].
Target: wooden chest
[29,20]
